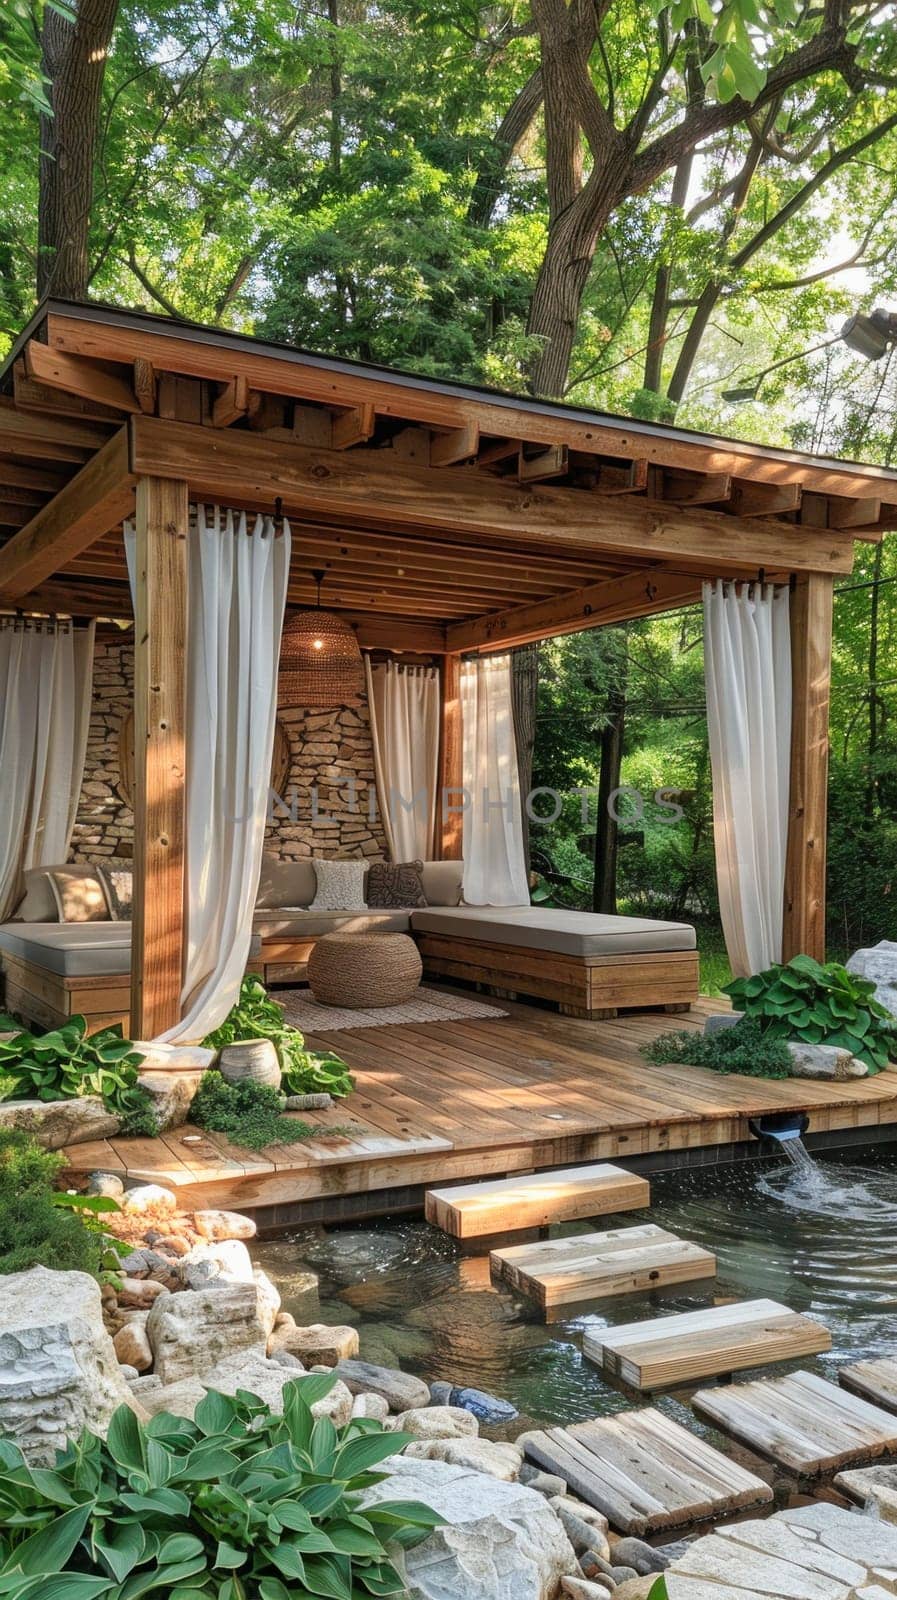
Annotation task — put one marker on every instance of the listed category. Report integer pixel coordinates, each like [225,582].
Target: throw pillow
[396,885]
[119,883]
[340,885]
[79,893]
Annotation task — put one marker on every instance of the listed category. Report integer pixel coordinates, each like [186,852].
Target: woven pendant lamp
[320,662]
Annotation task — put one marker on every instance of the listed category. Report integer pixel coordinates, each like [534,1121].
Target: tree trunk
[874,698]
[604,882]
[557,297]
[660,308]
[73,61]
[524,694]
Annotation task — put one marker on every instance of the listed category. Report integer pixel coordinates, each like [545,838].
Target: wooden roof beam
[696,489]
[551,463]
[749,499]
[47,438]
[459,444]
[77,376]
[638,594]
[231,403]
[351,483]
[90,504]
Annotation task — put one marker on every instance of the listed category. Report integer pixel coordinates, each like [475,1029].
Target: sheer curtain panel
[404,710]
[493,846]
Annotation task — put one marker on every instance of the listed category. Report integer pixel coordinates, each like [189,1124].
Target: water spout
[784,1127]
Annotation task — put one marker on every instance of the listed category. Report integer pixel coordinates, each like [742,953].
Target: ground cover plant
[744,1049]
[238,1504]
[67,1063]
[257,1016]
[252,1114]
[41,1226]
[819,1005]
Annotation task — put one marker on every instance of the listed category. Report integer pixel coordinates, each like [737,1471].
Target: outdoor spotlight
[870,336]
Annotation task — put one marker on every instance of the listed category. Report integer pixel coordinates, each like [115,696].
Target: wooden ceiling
[442,516]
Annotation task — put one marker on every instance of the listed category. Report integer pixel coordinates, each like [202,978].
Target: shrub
[67,1062]
[38,1225]
[820,1005]
[238,1504]
[744,1048]
[250,1113]
[257,1016]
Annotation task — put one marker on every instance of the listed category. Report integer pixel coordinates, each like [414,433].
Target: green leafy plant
[744,1048]
[257,1016]
[250,1113]
[819,1005]
[237,1504]
[41,1226]
[67,1063]
[659,1590]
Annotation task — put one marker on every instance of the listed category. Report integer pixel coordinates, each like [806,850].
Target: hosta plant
[804,1000]
[238,1504]
[68,1062]
[257,1016]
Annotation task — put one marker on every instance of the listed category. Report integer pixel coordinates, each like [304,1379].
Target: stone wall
[319,812]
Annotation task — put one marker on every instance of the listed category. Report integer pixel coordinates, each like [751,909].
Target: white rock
[315,1345]
[265,1379]
[224,1225]
[160,1057]
[438,1422]
[58,1369]
[148,1196]
[878,963]
[479,1455]
[500,1541]
[232,1259]
[55,1123]
[401,1390]
[171,1094]
[824,1061]
[190,1333]
[268,1299]
[132,1346]
[370,1405]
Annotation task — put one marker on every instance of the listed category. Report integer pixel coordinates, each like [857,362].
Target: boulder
[59,1371]
[148,1197]
[252,1372]
[438,1422]
[316,1345]
[218,1225]
[107,1184]
[171,1094]
[824,1061]
[486,1408]
[55,1123]
[499,1541]
[401,1390]
[132,1345]
[878,964]
[190,1333]
[268,1300]
[479,1455]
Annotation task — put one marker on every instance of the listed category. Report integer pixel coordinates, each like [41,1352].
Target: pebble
[485,1407]
[132,1346]
[282,1358]
[583,1589]
[174,1244]
[583,1535]
[224,1225]
[140,1292]
[598,1566]
[370,1405]
[129,1373]
[543,1482]
[640,1556]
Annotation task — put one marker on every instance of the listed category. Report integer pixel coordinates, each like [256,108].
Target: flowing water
[821,1238]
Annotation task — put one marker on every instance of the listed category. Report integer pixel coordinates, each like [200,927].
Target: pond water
[822,1238]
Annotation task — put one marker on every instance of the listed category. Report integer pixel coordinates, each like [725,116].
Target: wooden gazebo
[449,520]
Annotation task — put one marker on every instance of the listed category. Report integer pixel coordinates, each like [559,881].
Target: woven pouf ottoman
[358,970]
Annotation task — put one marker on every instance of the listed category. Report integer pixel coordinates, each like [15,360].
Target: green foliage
[40,1226]
[821,1005]
[744,1049]
[67,1062]
[659,1590]
[250,1113]
[257,1016]
[238,1504]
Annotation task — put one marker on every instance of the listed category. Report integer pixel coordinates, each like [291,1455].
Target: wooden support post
[811,667]
[451,777]
[160,628]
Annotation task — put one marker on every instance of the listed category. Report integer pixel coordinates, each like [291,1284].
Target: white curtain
[747,667]
[46,674]
[404,709]
[494,854]
[237,572]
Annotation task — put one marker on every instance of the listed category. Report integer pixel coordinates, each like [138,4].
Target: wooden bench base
[48,999]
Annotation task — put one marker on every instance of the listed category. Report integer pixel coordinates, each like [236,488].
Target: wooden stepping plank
[471,1210]
[666,1351]
[645,1472]
[875,1380]
[801,1421]
[593,1266]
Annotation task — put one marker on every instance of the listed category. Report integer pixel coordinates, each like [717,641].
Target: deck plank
[594,1266]
[645,1472]
[874,1380]
[802,1422]
[668,1351]
[473,1210]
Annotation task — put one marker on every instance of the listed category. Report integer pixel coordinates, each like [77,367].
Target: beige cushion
[76,949]
[118,883]
[442,882]
[298,923]
[39,903]
[80,894]
[576,933]
[286,883]
[340,885]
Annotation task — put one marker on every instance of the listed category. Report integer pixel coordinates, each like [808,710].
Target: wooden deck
[446,1102]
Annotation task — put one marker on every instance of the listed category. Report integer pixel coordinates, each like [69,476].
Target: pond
[822,1238]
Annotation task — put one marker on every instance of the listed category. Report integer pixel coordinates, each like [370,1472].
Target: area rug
[428,1005]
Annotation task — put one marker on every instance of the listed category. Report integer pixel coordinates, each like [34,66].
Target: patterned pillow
[396,885]
[340,885]
[119,883]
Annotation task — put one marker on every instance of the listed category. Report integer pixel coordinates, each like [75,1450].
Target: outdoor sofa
[589,965]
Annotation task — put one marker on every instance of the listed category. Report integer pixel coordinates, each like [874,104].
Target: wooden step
[645,1472]
[593,1266]
[666,1351]
[801,1421]
[472,1210]
[874,1380]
